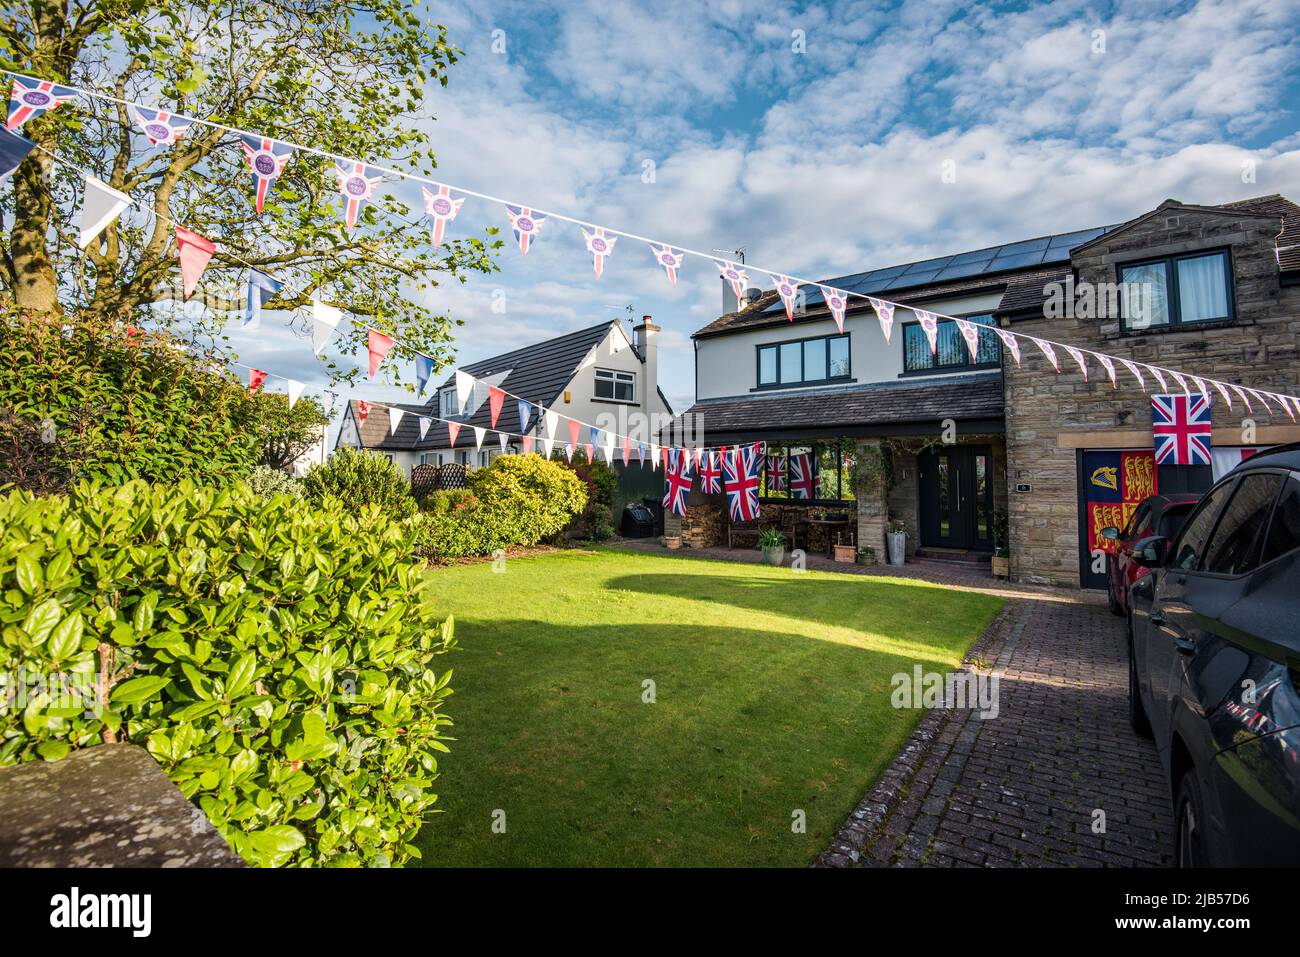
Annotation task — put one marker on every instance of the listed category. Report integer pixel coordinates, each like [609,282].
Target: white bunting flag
[100,206]
[970,332]
[1011,343]
[1160,377]
[1182,383]
[425,423]
[836,302]
[1109,367]
[1199,384]
[1137,373]
[885,313]
[547,446]
[479,433]
[1263,400]
[734,275]
[394,418]
[788,289]
[295,391]
[1244,398]
[1223,391]
[568,451]
[1047,350]
[324,320]
[930,323]
[464,389]
[504,440]
[609,447]
[1077,356]
[654,456]
[550,419]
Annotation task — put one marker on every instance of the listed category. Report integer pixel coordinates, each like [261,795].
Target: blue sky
[828,160]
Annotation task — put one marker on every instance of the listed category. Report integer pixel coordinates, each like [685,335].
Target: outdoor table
[829,524]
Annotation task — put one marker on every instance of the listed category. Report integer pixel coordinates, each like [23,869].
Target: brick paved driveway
[1019,789]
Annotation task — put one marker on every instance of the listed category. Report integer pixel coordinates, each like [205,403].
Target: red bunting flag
[590,450]
[363,412]
[379,346]
[194,252]
[255,379]
[527,441]
[496,398]
[574,426]
[627,449]
[453,430]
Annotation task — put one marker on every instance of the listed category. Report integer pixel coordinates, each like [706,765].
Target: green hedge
[361,478]
[273,656]
[517,500]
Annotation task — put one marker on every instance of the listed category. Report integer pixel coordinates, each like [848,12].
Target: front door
[956,508]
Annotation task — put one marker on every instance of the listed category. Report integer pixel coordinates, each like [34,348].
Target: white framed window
[616,386]
[447,403]
[430,458]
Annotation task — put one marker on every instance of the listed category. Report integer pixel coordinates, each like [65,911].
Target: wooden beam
[1116,439]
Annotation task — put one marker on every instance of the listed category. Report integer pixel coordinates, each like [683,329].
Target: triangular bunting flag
[1077,356]
[378,345]
[324,320]
[568,451]
[1047,350]
[526,226]
[548,446]
[1109,367]
[1160,377]
[100,206]
[425,422]
[28,99]
[423,370]
[627,449]
[930,323]
[1227,396]
[161,128]
[1010,343]
[837,303]
[600,246]
[453,430]
[464,389]
[885,313]
[363,412]
[357,182]
[550,419]
[394,418]
[295,391]
[970,333]
[255,379]
[194,252]
[525,413]
[527,442]
[671,259]
[1136,373]
[266,159]
[13,150]
[479,433]
[734,275]
[442,208]
[504,440]
[259,290]
[787,289]
[496,399]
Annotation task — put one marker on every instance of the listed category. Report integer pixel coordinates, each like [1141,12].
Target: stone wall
[1049,416]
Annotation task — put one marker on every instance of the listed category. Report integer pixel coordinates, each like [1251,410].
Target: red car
[1161,515]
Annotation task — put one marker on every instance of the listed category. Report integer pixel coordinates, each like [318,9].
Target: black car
[1214,665]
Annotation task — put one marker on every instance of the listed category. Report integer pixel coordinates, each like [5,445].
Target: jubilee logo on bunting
[930,323]
[442,208]
[970,332]
[159,127]
[734,275]
[600,246]
[28,99]
[266,159]
[884,313]
[837,303]
[1181,428]
[357,183]
[525,224]
[787,289]
[671,259]
[1011,343]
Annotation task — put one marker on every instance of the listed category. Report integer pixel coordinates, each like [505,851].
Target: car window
[1171,520]
[1191,542]
[1136,521]
[1284,531]
[1235,542]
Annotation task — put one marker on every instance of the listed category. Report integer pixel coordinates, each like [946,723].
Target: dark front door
[956,509]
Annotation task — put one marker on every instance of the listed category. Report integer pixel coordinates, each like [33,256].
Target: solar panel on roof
[978,256]
[905,281]
[962,270]
[1017,261]
[1078,238]
[1028,245]
[926,265]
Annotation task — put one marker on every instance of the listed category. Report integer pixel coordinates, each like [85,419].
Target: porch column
[871,492]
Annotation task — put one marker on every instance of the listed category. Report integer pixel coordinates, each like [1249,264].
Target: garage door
[1111,484]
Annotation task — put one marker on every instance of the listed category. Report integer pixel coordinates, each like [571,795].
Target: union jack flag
[526,225]
[836,302]
[930,323]
[787,289]
[738,278]
[803,476]
[710,474]
[600,246]
[442,208]
[266,159]
[740,481]
[678,484]
[28,99]
[671,259]
[162,128]
[1181,427]
[775,473]
[357,183]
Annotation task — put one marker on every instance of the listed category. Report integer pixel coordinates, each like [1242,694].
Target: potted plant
[845,553]
[772,542]
[866,556]
[672,541]
[1001,553]
[897,539]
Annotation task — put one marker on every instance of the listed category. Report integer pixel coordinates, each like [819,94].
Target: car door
[1163,635]
[1139,526]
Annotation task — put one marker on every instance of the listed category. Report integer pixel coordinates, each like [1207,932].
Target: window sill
[795,386]
[615,401]
[1125,333]
[948,370]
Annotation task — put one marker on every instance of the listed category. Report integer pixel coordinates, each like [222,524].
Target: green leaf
[53,750]
[139,690]
[66,640]
[241,675]
[144,608]
[28,571]
[41,620]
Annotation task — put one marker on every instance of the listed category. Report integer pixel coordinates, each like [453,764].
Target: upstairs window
[950,353]
[615,386]
[1178,290]
[448,408]
[814,361]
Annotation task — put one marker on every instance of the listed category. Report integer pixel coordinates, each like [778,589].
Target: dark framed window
[1234,546]
[833,461]
[812,361]
[950,352]
[614,385]
[1176,291]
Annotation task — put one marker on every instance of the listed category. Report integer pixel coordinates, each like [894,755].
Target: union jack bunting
[526,225]
[970,332]
[1180,425]
[600,246]
[159,127]
[775,473]
[710,473]
[357,183]
[740,482]
[266,159]
[442,208]
[930,323]
[640,453]
[28,99]
[787,289]
[677,485]
[734,275]
[1077,356]
[1011,343]
[836,302]
[1137,374]
[1182,383]
[1109,367]
[1160,377]
[803,476]
[885,313]
[1223,391]
[1243,397]
[1047,350]
[671,259]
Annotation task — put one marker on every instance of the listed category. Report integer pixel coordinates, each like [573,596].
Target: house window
[616,386]
[1179,290]
[803,362]
[430,458]
[950,353]
[833,465]
[448,406]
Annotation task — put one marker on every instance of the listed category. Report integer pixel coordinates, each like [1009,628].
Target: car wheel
[1137,714]
[1189,824]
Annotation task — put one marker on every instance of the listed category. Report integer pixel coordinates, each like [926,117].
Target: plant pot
[846,553]
[866,556]
[897,547]
[672,541]
[1001,566]
[774,556]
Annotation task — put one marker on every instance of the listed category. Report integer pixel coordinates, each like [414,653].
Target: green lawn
[772,694]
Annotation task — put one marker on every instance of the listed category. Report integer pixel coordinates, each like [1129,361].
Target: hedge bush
[361,478]
[274,656]
[516,500]
[267,481]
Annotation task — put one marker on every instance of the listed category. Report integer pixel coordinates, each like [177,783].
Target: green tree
[347,78]
[284,433]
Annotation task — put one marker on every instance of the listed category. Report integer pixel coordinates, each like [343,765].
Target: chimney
[729,302]
[644,338]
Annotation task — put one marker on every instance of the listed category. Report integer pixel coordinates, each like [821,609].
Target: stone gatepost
[871,491]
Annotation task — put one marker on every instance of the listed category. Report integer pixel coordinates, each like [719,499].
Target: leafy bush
[517,500]
[266,481]
[361,478]
[274,656]
[597,519]
[118,405]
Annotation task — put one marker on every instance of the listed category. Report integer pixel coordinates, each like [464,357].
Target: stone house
[957,448]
